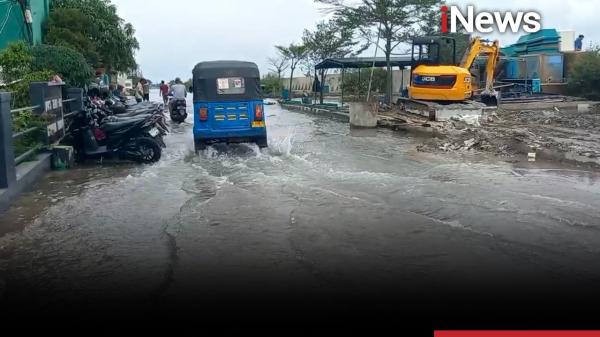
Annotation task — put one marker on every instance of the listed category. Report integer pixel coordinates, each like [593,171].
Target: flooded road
[323,210]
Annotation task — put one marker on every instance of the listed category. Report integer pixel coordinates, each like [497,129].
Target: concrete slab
[27,174]
[317,111]
[363,114]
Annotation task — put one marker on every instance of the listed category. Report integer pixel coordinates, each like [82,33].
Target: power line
[7,17]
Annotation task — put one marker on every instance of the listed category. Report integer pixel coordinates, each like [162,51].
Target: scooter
[177,110]
[131,139]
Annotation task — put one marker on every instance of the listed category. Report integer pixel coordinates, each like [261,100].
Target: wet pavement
[322,209]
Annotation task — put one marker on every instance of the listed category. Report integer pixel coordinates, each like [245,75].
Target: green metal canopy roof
[363,62]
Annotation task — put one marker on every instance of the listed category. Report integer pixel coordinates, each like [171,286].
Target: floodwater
[323,208]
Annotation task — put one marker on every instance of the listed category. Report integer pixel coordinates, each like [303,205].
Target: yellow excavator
[439,80]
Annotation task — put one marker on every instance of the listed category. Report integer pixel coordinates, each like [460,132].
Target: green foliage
[328,40]
[462,38]
[585,78]
[272,84]
[294,53]
[392,22]
[67,62]
[71,28]
[113,38]
[23,121]
[353,87]
[15,61]
[20,96]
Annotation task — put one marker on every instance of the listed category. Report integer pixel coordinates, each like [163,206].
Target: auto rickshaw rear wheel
[199,146]
[262,142]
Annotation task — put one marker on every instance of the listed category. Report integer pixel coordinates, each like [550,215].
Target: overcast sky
[174,35]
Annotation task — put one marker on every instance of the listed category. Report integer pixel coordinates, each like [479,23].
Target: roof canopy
[363,62]
[215,69]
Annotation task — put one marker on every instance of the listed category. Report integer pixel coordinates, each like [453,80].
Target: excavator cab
[436,76]
[428,50]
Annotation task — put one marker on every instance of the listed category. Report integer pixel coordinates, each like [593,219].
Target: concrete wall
[334,82]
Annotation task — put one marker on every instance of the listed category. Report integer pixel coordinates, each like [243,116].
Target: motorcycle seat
[114,126]
[134,113]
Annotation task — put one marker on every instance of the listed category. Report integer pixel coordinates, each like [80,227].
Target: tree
[67,62]
[328,40]
[114,40]
[71,28]
[462,38]
[354,84]
[585,77]
[295,54]
[20,89]
[392,21]
[15,61]
[278,65]
[271,83]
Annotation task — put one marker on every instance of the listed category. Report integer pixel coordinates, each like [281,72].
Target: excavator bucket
[490,99]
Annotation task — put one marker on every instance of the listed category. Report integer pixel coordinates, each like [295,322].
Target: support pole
[77,95]
[359,83]
[343,71]
[401,81]
[373,65]
[8,172]
[316,89]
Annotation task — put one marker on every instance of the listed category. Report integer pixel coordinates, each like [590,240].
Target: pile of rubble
[511,133]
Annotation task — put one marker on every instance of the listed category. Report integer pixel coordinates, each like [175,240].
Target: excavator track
[423,108]
[440,112]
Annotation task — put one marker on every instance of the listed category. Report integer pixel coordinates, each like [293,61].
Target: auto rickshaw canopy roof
[206,75]
[218,69]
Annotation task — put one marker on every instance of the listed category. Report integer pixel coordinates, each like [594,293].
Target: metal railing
[8,161]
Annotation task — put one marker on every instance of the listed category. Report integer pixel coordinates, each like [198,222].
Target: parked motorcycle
[104,111]
[177,110]
[132,138]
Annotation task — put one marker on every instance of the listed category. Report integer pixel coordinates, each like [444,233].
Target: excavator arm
[492,51]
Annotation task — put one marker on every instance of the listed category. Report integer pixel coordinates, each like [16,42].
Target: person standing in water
[164,91]
[146,89]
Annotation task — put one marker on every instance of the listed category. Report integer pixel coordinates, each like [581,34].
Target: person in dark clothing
[146,90]
[579,43]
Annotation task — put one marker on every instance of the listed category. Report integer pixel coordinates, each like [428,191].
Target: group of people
[142,90]
[178,90]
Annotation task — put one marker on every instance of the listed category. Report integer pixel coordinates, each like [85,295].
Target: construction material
[545,41]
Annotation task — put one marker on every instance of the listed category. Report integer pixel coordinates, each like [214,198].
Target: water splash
[283,146]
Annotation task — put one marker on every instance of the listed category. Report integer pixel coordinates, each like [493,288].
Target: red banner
[524,333]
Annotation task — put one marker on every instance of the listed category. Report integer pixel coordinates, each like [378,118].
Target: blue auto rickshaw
[228,105]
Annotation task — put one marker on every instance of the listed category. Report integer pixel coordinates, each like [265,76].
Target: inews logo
[489,21]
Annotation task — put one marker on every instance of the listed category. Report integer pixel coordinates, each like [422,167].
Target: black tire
[177,118]
[199,146]
[149,150]
[262,142]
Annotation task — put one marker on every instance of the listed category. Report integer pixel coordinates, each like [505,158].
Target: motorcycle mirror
[191,89]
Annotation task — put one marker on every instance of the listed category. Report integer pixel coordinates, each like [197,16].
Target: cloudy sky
[176,34]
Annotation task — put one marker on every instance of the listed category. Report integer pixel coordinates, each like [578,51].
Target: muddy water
[322,206]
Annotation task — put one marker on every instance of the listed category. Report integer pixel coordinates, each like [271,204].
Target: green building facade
[22,20]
